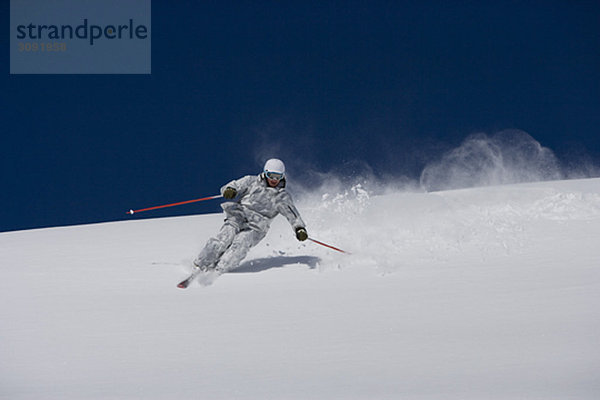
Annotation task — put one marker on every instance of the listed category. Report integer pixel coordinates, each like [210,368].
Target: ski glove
[229,193]
[301,234]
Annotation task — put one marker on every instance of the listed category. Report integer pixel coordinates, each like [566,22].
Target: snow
[486,293]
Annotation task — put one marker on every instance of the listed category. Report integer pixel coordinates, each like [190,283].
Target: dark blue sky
[320,84]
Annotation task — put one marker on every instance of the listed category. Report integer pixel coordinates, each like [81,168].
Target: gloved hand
[301,234]
[229,193]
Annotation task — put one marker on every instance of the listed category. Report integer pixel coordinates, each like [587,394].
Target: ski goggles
[277,176]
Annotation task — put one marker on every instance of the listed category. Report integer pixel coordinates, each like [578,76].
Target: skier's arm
[287,208]
[239,186]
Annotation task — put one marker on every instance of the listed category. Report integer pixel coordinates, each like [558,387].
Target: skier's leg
[216,246]
[241,245]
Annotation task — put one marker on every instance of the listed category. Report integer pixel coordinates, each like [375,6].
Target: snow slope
[490,293]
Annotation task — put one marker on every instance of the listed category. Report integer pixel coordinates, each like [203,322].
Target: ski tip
[182,285]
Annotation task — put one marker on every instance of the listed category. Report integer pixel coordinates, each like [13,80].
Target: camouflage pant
[226,251]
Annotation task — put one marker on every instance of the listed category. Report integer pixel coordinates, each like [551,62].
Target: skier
[256,200]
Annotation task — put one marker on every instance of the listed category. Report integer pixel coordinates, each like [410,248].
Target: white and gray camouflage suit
[248,218]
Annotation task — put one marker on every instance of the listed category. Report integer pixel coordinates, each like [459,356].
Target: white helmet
[274,169]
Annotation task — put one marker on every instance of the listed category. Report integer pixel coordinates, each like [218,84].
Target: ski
[207,277]
[186,282]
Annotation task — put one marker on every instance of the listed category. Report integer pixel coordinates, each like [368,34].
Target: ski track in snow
[488,293]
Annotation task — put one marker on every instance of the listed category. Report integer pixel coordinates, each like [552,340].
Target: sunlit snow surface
[489,293]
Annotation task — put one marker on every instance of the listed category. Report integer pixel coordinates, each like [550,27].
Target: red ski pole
[329,246]
[173,204]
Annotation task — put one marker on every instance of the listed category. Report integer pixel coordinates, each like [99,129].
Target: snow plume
[510,156]
[345,203]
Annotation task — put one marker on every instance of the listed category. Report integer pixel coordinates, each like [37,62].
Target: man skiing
[255,201]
